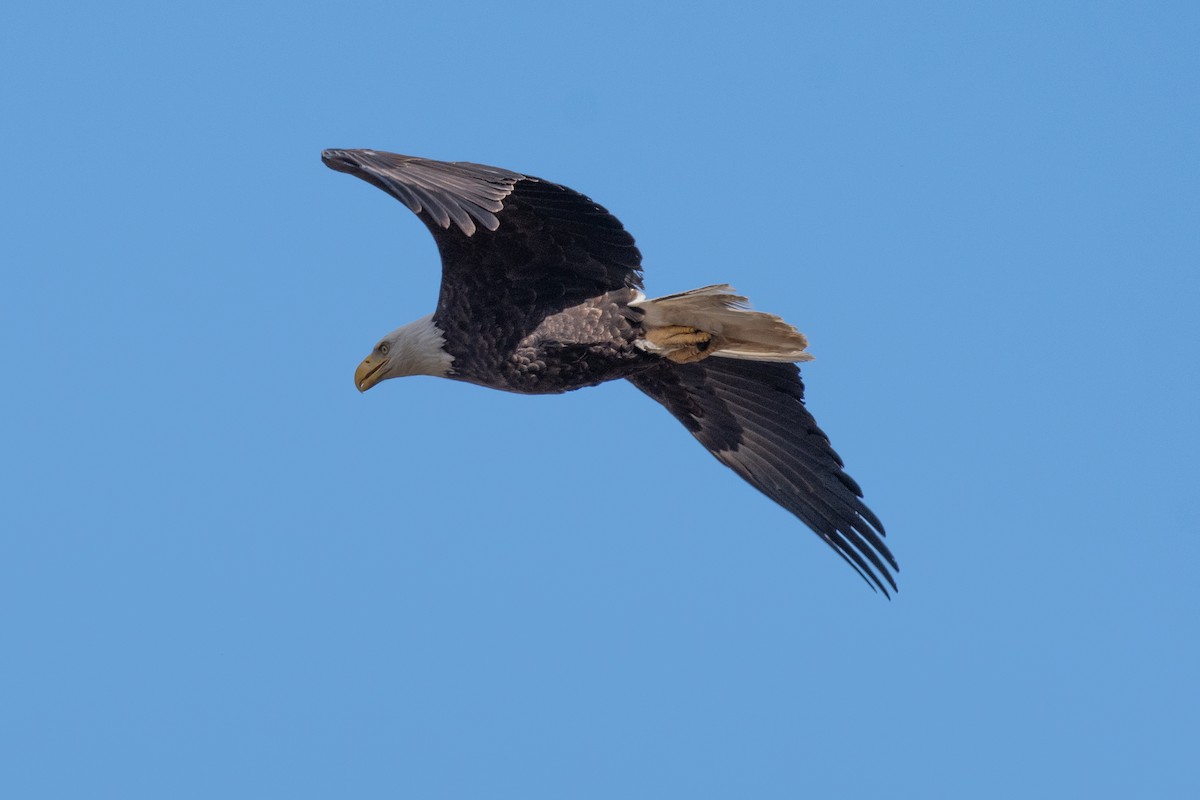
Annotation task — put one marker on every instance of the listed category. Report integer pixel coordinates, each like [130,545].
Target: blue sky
[224,573]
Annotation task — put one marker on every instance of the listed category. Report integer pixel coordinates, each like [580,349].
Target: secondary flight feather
[542,293]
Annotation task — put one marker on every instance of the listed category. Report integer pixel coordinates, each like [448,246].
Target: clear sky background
[226,574]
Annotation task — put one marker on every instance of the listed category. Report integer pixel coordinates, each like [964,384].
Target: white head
[417,348]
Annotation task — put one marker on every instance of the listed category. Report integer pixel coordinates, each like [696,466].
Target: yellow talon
[676,335]
[683,344]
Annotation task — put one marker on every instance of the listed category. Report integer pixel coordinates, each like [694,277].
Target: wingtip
[340,160]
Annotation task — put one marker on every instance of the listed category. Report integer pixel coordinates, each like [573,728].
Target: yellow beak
[370,371]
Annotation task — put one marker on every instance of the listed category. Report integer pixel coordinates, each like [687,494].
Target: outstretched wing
[751,416]
[514,248]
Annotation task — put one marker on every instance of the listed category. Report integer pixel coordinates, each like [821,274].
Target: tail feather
[737,331]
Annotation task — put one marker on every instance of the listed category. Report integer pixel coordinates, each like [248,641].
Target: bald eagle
[541,293]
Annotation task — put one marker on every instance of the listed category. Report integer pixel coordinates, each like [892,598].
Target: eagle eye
[383,348]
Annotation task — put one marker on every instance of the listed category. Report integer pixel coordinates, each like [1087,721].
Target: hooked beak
[370,371]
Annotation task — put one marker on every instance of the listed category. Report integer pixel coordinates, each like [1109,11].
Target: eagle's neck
[420,349]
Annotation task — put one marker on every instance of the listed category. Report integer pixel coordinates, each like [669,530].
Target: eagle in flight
[542,293]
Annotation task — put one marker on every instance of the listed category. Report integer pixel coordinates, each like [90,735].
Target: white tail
[733,330]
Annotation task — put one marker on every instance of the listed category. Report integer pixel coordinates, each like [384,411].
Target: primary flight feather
[541,294]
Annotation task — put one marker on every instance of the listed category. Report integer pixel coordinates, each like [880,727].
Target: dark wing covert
[504,237]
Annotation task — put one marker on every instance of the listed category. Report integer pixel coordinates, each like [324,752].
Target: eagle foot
[683,344]
[676,335]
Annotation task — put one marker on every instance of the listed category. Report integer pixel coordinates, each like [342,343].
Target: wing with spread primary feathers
[751,416]
[513,247]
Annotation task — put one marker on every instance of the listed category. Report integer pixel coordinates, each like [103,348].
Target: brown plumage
[541,293]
